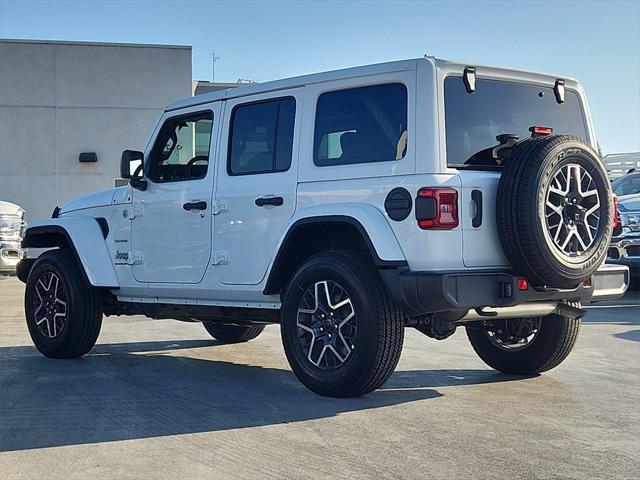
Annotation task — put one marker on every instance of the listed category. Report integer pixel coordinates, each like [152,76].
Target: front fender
[85,236]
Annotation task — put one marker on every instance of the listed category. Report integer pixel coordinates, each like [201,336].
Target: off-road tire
[233,333]
[380,327]
[554,342]
[520,211]
[84,307]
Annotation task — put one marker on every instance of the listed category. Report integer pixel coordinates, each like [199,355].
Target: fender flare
[85,237]
[381,242]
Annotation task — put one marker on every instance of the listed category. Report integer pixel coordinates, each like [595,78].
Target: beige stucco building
[60,99]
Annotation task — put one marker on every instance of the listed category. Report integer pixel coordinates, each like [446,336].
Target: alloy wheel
[514,334]
[326,325]
[572,210]
[50,303]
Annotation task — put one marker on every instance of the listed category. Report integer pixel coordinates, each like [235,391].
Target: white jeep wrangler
[346,206]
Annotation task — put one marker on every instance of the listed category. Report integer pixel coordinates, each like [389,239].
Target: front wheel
[524,346]
[341,334]
[63,312]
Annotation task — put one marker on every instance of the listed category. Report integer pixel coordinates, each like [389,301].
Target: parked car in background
[626,185]
[625,245]
[12,227]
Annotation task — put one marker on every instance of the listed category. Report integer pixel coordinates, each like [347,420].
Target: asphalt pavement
[161,399]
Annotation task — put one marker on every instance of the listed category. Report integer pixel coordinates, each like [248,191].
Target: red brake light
[437,208]
[616,218]
[539,131]
[523,284]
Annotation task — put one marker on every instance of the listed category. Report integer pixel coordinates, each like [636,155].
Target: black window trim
[275,133]
[147,165]
[342,89]
[499,168]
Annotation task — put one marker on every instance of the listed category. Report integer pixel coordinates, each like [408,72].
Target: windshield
[474,120]
[627,185]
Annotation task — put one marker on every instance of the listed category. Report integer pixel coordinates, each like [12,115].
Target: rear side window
[360,125]
[474,120]
[261,138]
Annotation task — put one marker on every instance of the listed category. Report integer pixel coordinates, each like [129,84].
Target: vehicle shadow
[633,335]
[142,390]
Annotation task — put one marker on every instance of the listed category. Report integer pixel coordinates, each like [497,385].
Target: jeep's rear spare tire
[554,211]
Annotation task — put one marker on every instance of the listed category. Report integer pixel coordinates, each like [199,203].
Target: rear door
[481,127]
[256,184]
[481,244]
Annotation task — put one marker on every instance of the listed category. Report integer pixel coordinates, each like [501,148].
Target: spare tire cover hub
[572,209]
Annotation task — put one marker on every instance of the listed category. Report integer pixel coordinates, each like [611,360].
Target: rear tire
[63,312]
[233,333]
[552,344]
[341,334]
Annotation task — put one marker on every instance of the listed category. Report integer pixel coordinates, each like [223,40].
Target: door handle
[274,201]
[195,205]
[476,196]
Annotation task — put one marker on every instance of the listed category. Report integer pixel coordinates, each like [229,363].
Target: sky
[597,42]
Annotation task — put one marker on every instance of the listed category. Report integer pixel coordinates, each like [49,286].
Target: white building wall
[58,99]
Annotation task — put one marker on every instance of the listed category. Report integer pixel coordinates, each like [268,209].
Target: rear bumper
[418,293]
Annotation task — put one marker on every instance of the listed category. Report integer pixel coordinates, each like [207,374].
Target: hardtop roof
[352,72]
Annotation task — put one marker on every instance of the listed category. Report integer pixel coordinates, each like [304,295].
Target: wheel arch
[84,237]
[308,235]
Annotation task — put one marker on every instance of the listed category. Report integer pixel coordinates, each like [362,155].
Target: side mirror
[131,164]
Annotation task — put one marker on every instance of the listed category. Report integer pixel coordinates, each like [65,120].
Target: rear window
[474,120]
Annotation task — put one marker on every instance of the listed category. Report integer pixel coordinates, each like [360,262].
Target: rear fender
[370,221]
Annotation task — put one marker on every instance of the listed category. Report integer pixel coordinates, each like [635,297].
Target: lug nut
[329,335]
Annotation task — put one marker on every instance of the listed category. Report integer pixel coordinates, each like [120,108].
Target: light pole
[213,67]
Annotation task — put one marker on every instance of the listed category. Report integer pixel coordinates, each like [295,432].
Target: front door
[171,219]
[256,184]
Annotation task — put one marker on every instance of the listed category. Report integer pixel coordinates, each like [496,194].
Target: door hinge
[134,258]
[132,212]
[219,206]
[219,257]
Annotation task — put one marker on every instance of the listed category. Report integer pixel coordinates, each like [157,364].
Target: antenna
[214,59]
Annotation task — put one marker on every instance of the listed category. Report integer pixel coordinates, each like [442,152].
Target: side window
[359,125]
[261,137]
[181,150]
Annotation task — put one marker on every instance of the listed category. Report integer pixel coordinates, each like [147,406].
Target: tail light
[437,208]
[616,217]
[523,284]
